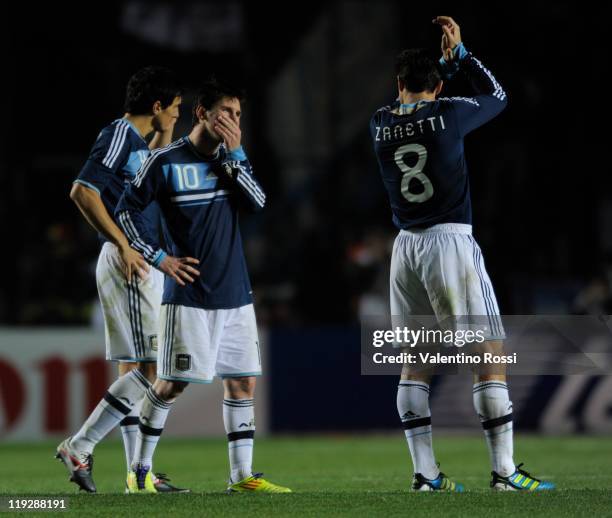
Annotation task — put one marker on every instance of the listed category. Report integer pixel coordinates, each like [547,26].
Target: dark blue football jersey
[199,199]
[113,162]
[420,152]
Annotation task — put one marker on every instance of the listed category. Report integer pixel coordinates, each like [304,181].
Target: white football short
[440,271]
[198,344]
[131,310]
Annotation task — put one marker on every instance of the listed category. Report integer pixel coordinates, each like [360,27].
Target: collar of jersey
[407,109]
[199,155]
[134,128]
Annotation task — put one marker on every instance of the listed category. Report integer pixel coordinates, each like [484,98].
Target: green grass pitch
[331,476]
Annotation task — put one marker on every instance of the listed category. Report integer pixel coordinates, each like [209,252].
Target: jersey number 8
[416,172]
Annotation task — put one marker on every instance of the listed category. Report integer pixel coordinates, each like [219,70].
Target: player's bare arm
[90,204]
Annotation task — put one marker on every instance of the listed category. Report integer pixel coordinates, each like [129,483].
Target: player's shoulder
[121,133]
[111,143]
[383,111]
[114,131]
[167,154]
[448,101]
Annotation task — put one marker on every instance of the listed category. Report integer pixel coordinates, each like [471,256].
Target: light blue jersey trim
[188,380]
[159,257]
[239,375]
[237,154]
[135,130]
[450,69]
[412,105]
[459,52]
[132,360]
[407,109]
[88,185]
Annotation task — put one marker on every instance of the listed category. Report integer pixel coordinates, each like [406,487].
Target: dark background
[318,255]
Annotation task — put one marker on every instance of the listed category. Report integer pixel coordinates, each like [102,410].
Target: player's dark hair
[149,85]
[211,91]
[418,70]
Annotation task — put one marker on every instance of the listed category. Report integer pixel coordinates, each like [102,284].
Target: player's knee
[416,374]
[149,369]
[169,389]
[125,367]
[493,347]
[239,388]
[487,370]
[177,389]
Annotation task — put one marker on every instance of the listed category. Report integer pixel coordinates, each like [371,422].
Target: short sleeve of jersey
[106,156]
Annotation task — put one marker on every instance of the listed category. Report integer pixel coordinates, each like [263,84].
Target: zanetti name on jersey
[410,129]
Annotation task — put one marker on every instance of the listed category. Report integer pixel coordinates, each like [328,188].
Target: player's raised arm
[135,199]
[236,165]
[488,99]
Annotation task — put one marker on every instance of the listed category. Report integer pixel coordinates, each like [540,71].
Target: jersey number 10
[188,177]
[414,172]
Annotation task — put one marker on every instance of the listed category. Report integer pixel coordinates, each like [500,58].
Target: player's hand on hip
[178,268]
[229,131]
[450,30]
[133,263]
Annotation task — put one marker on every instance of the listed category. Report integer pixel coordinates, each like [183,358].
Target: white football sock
[494,408]
[117,403]
[413,409]
[153,416]
[239,421]
[129,431]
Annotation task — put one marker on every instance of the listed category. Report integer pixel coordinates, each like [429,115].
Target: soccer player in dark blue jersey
[208,325]
[130,294]
[437,267]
